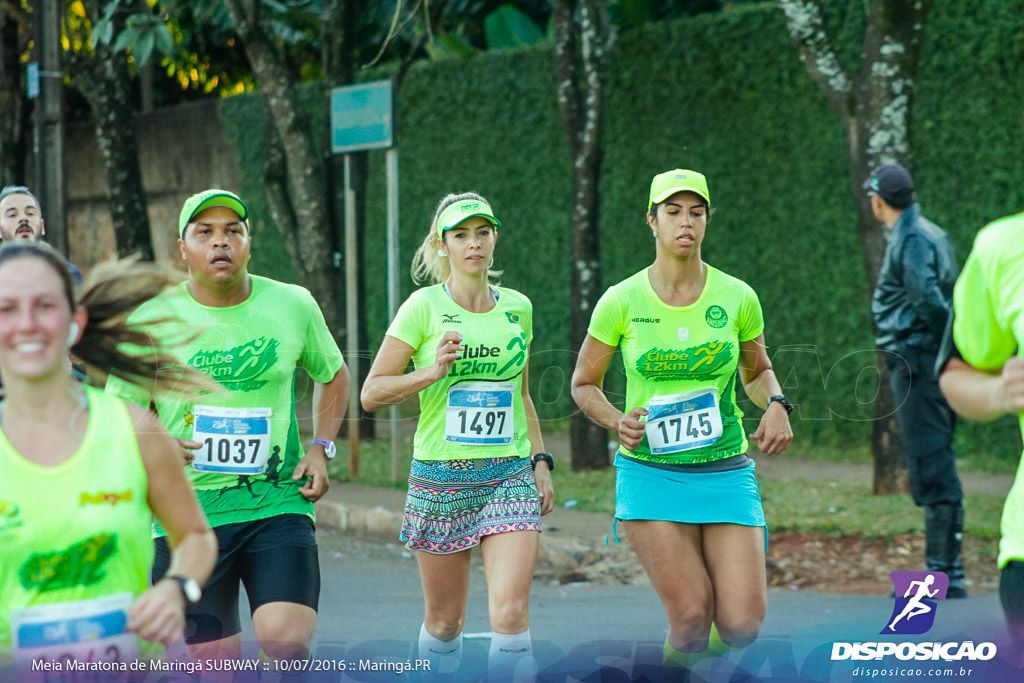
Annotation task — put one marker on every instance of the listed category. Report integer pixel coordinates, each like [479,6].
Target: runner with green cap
[984,378]
[256,480]
[206,199]
[480,476]
[685,486]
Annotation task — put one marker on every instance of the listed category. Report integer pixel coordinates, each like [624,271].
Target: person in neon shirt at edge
[685,487]
[82,474]
[479,474]
[983,377]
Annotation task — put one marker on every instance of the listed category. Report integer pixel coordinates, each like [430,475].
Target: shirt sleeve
[123,388]
[608,322]
[977,333]
[126,390]
[528,322]
[751,318]
[409,323]
[321,356]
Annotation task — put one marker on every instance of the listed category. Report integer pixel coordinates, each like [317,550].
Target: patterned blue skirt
[452,504]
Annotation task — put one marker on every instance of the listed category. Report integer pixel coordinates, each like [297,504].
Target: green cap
[668,183]
[204,200]
[460,211]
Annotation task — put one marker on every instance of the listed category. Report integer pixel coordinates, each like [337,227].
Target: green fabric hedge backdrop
[727,95]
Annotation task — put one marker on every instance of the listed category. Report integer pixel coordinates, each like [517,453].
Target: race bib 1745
[682,422]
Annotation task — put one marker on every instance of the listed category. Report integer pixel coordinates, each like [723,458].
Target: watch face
[189,588]
[192,590]
[330,449]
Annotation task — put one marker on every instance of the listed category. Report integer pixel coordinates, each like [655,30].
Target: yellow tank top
[75,546]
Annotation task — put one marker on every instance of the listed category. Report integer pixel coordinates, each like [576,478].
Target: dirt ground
[819,562]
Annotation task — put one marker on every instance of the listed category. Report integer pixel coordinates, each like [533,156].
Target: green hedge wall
[726,94]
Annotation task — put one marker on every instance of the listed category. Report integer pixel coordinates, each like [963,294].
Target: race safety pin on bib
[480,414]
[84,630]
[235,440]
[682,422]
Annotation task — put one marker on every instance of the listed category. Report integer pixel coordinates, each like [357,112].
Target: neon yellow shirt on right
[681,364]
[988,329]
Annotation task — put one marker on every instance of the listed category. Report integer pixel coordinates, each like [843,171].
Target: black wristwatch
[190,589]
[542,457]
[779,398]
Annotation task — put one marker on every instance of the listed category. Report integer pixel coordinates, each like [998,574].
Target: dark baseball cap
[893,184]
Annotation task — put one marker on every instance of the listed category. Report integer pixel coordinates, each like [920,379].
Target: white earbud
[440,252]
[72,334]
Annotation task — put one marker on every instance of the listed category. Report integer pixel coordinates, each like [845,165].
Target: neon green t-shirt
[249,431]
[75,544]
[988,329]
[681,364]
[477,410]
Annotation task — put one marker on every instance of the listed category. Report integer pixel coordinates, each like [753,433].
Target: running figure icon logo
[916,592]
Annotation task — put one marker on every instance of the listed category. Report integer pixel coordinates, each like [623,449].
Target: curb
[376,522]
[559,560]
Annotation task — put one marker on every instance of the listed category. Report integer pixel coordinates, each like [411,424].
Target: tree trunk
[12,102]
[583,37]
[889,475]
[339,20]
[874,107]
[314,246]
[275,179]
[114,119]
[103,80]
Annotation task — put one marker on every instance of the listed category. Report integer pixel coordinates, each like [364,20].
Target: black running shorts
[274,558]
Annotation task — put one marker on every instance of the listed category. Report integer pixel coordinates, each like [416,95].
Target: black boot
[943,537]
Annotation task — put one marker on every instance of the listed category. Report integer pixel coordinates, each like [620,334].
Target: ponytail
[111,294]
[113,291]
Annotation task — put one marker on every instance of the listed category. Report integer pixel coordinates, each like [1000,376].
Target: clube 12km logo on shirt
[913,613]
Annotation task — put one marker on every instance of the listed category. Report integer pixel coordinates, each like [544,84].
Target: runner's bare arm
[773,433]
[158,614]
[587,392]
[541,472]
[387,382]
[329,403]
[983,396]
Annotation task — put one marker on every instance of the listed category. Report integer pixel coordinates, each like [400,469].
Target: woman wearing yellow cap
[480,476]
[685,487]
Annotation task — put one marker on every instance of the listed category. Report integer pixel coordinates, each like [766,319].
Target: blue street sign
[362,117]
[32,80]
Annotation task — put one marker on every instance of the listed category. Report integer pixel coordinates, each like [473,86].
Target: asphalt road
[371,610]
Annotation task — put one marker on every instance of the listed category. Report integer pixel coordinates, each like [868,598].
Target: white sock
[444,655]
[511,657]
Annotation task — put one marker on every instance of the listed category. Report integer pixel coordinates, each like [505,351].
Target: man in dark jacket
[911,304]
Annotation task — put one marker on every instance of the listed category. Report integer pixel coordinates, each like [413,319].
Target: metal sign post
[363,118]
[394,294]
[352,320]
